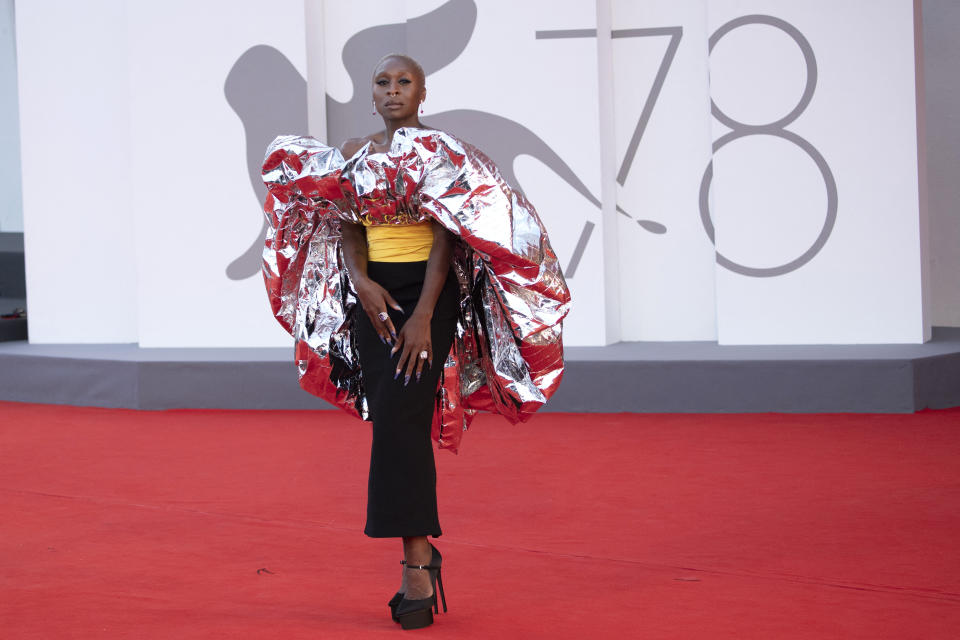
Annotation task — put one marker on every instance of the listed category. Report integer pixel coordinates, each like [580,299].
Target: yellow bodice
[399,242]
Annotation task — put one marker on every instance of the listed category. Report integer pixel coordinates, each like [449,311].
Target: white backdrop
[153,242]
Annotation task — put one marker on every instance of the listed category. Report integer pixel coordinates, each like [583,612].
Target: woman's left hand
[412,341]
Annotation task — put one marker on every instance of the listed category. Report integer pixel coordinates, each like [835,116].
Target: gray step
[13,282]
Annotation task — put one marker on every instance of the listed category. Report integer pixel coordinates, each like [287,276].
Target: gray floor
[689,377]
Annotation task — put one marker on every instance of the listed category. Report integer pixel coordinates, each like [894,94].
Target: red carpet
[244,524]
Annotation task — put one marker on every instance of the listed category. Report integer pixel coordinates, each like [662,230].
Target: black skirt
[402,486]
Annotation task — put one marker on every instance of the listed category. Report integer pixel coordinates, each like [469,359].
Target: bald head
[404,59]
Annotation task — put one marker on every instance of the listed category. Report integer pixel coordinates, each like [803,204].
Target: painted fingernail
[418,376]
[393,333]
[406,380]
[382,340]
[396,374]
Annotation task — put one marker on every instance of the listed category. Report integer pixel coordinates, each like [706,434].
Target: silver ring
[424,355]
[383,316]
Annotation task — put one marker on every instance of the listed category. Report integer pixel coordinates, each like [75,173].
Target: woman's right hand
[375,300]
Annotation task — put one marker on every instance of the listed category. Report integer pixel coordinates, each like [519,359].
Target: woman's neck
[391,126]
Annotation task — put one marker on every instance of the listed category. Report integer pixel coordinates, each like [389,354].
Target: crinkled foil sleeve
[520,295]
[292,217]
[307,287]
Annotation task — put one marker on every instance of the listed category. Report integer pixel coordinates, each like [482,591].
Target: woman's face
[397,90]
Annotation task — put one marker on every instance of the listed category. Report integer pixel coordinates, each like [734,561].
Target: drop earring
[374,112]
[421,107]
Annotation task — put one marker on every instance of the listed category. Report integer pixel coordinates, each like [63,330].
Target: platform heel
[416,614]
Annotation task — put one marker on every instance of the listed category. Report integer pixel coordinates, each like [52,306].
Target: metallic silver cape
[507,355]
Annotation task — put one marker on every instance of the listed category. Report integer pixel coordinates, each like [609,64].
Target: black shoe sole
[416,619]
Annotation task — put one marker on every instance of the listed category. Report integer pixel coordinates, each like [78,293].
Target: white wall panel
[667,273]
[558,81]
[770,201]
[76,155]
[196,208]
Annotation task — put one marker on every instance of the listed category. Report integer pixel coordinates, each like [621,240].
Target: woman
[421,288]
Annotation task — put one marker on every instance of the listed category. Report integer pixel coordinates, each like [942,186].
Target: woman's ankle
[418,585]
[417,551]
